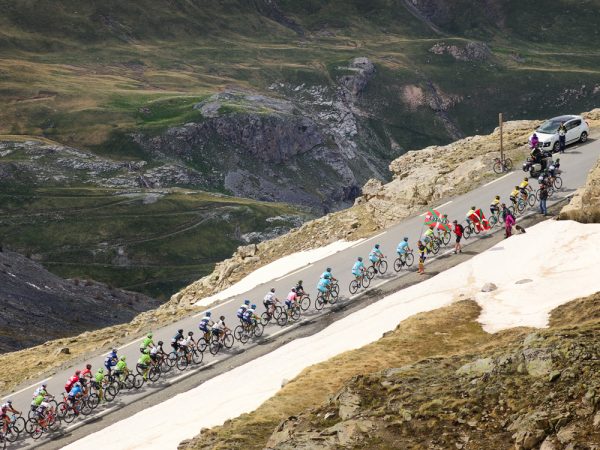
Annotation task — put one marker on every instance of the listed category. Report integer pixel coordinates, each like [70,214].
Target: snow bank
[277,269]
[558,258]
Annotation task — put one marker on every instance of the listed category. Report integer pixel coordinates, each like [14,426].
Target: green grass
[81,233]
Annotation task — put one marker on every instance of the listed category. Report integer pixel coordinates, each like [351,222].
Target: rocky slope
[538,392]
[37,306]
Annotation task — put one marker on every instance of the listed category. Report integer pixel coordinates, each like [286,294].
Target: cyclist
[86,374]
[40,404]
[470,213]
[375,256]
[291,299]
[495,205]
[121,368]
[205,323]
[514,195]
[4,410]
[328,274]
[98,379]
[42,390]
[71,381]
[147,342]
[185,344]
[269,301]
[403,247]
[219,329]
[324,286]
[428,238]
[242,309]
[250,317]
[178,337]
[358,269]
[111,360]
[554,168]
[144,363]
[75,393]
[300,289]
[523,188]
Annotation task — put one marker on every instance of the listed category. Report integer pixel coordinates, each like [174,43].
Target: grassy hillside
[150,242]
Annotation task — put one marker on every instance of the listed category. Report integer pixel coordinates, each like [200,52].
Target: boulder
[489,287]
[63,351]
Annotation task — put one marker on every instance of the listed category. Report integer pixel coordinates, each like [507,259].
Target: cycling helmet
[541,178]
[516,187]
[497,197]
[455,222]
[190,333]
[77,372]
[299,282]
[149,335]
[360,258]
[88,366]
[253,307]
[293,289]
[473,207]
[100,370]
[208,314]
[160,342]
[272,289]
[114,352]
[44,385]
[405,239]
[376,245]
[444,215]
[246,302]
[123,358]
[328,269]
[180,331]
[222,318]
[9,402]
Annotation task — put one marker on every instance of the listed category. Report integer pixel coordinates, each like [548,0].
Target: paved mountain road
[575,164]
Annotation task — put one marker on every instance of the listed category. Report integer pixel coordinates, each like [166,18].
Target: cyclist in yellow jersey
[495,205]
[514,194]
[523,187]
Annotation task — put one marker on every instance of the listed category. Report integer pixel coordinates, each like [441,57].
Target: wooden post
[501,138]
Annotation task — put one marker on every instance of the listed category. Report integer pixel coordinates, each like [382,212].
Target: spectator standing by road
[458,231]
[543,199]
[422,249]
[509,221]
[562,137]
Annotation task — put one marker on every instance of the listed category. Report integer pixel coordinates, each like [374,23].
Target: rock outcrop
[472,51]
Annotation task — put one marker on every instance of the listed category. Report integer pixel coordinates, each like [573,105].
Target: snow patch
[559,258]
[278,269]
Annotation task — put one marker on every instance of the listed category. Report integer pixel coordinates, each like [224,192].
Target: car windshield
[549,127]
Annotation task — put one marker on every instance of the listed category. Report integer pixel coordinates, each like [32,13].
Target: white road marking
[295,271]
[445,204]
[27,388]
[498,179]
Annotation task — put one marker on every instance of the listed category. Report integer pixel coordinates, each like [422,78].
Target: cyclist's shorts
[373,259]
[322,290]
[288,304]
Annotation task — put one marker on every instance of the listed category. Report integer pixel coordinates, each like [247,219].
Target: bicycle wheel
[520,205]
[466,232]
[197,356]
[54,424]
[154,374]
[332,299]
[475,229]
[398,264]
[319,303]
[278,312]
[295,313]
[493,220]
[366,281]
[435,247]
[383,266]
[18,424]
[259,329]
[110,393]
[215,346]
[446,238]
[182,362]
[171,359]
[305,302]
[245,336]
[228,340]
[237,333]
[353,288]
[138,381]
[508,164]
[557,183]
[282,320]
[36,430]
[335,290]
[93,401]
[129,381]
[265,318]
[409,259]
[371,272]
[531,199]
[12,434]
[202,344]
[498,167]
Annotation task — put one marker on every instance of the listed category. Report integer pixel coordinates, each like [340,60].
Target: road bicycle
[290,314]
[224,339]
[245,331]
[360,280]
[379,266]
[405,259]
[328,297]
[502,165]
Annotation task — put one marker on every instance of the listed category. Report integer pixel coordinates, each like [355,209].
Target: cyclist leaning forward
[375,257]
